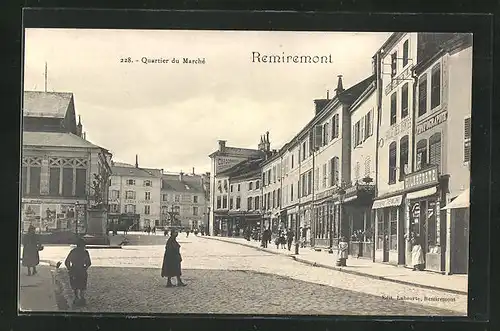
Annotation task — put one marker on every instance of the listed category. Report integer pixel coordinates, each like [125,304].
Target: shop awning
[461,201]
[422,193]
[388,202]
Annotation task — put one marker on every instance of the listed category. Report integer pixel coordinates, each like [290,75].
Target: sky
[172,114]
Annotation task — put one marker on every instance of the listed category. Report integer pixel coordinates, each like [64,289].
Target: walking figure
[172,259]
[289,238]
[343,253]
[187,233]
[77,263]
[417,256]
[32,246]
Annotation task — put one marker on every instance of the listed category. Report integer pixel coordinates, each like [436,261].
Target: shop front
[357,205]
[389,229]
[425,193]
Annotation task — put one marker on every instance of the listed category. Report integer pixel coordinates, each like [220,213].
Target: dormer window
[147,183]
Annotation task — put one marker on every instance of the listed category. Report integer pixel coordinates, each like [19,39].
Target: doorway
[386,234]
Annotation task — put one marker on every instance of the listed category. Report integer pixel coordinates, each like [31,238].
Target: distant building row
[378,161]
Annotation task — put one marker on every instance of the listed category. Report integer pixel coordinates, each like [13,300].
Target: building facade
[223,159]
[63,175]
[274,218]
[183,201]
[134,197]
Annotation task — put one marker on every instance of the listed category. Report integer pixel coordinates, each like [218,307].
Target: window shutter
[372,116]
[318,138]
[467,151]
[362,130]
[467,128]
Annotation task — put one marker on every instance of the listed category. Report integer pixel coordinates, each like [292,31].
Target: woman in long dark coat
[31,247]
[77,263]
[172,260]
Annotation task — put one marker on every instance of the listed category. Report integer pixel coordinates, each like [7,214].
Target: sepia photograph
[245,172]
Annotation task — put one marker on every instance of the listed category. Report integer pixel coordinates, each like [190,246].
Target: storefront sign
[421,178]
[223,163]
[388,202]
[432,122]
[398,128]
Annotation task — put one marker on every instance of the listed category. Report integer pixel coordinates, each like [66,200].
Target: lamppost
[341,193]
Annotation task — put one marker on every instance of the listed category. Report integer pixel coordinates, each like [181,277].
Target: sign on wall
[432,122]
[426,177]
[224,163]
[398,128]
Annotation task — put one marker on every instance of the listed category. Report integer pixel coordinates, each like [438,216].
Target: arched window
[392,163]
[403,157]
[435,149]
[421,154]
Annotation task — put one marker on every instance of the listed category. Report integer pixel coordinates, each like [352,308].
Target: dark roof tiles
[46,104]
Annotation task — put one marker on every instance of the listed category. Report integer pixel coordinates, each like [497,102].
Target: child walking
[77,263]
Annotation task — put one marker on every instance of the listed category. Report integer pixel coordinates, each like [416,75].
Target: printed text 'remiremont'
[257,57]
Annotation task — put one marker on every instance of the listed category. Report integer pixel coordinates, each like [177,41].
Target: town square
[336,187]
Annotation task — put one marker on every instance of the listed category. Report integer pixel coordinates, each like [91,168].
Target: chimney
[181,176]
[222,145]
[340,87]
[268,143]
[136,161]
[193,170]
[85,135]
[319,105]
[79,127]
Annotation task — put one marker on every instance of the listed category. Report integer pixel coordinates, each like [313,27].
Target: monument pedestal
[96,227]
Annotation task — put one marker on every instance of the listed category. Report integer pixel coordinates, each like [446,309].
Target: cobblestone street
[141,290]
[215,270]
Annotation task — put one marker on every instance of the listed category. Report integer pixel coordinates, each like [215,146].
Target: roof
[55,139]
[46,104]
[189,183]
[135,172]
[365,95]
[237,151]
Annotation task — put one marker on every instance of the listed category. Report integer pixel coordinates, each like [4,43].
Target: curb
[347,271]
[63,301]
[100,246]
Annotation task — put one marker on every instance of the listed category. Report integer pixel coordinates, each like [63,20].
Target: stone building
[134,196]
[183,201]
[63,176]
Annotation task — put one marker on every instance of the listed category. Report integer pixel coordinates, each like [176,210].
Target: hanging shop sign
[432,122]
[426,177]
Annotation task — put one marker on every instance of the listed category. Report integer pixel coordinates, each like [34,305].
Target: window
[195,199]
[404,101]
[129,195]
[393,235]
[435,150]
[369,124]
[405,53]
[231,188]
[268,177]
[292,161]
[298,189]
[35,173]
[392,163]
[114,208]
[422,95]
[257,184]
[436,86]
[177,209]
[274,199]
[224,202]
[257,202]
[147,195]
[147,210]
[165,197]
[67,182]
[81,182]
[177,198]
[275,172]
[291,192]
[115,195]
[130,181]
[278,198]
[130,209]
[314,139]
[334,171]
[309,182]
[238,202]
[356,134]
[335,126]
[54,177]
[403,157]
[394,108]
[380,230]
[231,203]
[195,211]
[264,178]
[239,187]
[249,203]
[325,133]
[421,154]
[467,139]
[325,176]
[361,131]
[219,204]
[394,64]
[431,226]
[147,183]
